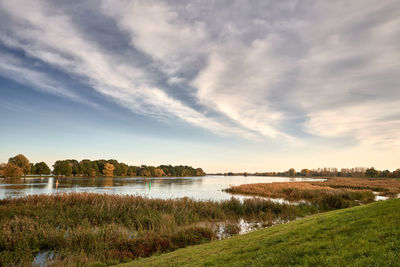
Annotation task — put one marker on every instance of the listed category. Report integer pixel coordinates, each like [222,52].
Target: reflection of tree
[107,182]
[168,183]
[22,186]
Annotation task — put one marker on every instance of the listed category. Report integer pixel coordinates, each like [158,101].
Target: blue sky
[223,85]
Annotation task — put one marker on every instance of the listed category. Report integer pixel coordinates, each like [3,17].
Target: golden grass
[389,187]
[317,193]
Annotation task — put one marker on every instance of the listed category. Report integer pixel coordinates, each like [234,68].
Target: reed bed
[319,195]
[387,187]
[79,228]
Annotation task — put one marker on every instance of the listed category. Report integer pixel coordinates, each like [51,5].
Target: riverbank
[79,228]
[360,236]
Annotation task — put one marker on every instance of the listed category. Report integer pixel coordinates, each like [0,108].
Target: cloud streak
[270,70]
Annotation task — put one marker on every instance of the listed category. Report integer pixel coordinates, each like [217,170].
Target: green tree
[132,170]
[74,166]
[123,169]
[62,167]
[100,164]
[88,168]
[371,172]
[40,168]
[22,162]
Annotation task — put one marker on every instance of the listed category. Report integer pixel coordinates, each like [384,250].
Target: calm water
[204,188]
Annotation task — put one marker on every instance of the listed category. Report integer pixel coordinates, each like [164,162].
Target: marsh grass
[387,187]
[365,235]
[80,228]
[321,196]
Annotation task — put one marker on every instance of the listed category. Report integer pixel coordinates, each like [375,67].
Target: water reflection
[208,187]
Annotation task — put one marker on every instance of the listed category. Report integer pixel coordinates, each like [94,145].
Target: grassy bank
[81,228]
[367,235]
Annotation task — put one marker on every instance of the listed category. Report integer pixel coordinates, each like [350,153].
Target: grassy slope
[361,236]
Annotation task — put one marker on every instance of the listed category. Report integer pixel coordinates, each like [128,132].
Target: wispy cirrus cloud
[276,70]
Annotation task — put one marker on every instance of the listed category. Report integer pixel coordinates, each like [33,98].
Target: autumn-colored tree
[108,169]
[22,162]
[292,172]
[200,172]
[158,172]
[145,172]
[305,172]
[2,165]
[12,170]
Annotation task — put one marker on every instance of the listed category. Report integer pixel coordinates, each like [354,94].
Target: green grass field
[367,235]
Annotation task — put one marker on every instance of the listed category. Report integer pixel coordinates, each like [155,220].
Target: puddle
[379,198]
[229,228]
[275,200]
[43,258]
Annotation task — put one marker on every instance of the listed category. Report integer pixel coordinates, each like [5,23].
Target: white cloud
[238,79]
[157,30]
[332,66]
[52,38]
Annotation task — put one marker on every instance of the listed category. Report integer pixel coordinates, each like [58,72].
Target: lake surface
[203,188]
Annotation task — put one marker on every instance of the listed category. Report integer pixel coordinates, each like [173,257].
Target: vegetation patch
[387,187]
[80,228]
[318,194]
[366,235]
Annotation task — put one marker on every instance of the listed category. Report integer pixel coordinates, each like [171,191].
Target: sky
[223,85]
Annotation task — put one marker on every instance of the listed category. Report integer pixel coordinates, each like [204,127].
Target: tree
[158,172]
[22,162]
[74,166]
[88,168]
[40,168]
[200,172]
[292,172]
[108,169]
[371,172]
[145,172]
[12,170]
[62,167]
[2,165]
[100,164]
[132,170]
[117,170]
[305,172]
[396,173]
[123,169]
[385,173]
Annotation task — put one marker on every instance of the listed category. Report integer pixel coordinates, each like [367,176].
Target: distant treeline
[325,172]
[20,165]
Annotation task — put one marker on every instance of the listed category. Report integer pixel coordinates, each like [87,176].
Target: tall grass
[83,227]
[322,197]
[388,187]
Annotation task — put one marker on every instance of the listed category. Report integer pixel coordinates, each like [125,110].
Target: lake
[202,188]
